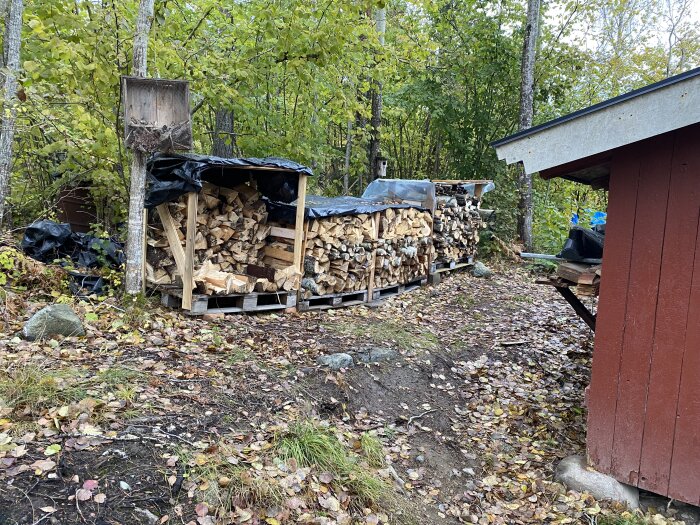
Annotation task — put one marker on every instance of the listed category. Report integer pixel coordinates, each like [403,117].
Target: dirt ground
[156,417]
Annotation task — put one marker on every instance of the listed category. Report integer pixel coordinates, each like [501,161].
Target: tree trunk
[527,88]
[224,142]
[133,280]
[376,96]
[13,40]
[348,153]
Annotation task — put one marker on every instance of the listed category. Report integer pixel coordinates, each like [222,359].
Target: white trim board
[660,111]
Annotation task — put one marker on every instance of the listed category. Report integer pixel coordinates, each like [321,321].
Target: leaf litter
[159,416]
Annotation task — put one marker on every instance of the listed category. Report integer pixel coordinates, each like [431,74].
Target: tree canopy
[294,79]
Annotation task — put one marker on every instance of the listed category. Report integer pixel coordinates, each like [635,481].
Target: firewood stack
[456,224]
[338,254]
[404,247]
[232,233]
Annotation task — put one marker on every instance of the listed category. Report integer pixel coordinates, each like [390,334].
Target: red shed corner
[644,402]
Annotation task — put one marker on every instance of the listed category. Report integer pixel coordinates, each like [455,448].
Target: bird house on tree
[156,114]
[644,400]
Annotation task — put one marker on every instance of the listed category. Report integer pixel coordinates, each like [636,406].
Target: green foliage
[33,388]
[296,76]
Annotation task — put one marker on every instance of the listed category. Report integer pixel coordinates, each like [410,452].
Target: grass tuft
[372,449]
[312,446]
[380,332]
[35,389]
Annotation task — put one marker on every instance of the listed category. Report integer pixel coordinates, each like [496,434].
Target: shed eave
[669,106]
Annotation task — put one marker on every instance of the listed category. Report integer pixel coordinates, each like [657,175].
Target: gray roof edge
[597,107]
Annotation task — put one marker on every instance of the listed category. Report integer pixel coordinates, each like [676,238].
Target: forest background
[293,78]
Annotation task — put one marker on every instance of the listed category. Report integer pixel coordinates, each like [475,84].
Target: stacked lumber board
[456,226]
[231,236]
[404,246]
[338,255]
[586,277]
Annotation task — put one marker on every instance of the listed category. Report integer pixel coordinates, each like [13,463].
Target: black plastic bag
[46,240]
[583,243]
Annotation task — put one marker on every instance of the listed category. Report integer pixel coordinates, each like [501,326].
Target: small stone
[149,517]
[212,317]
[157,341]
[376,355]
[56,319]
[481,270]
[336,361]
[124,485]
[577,475]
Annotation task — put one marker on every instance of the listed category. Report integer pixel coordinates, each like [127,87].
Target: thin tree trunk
[348,153]
[376,96]
[13,40]
[224,142]
[133,280]
[527,88]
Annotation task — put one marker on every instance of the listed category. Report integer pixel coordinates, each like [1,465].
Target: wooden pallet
[446,266]
[234,303]
[337,300]
[397,289]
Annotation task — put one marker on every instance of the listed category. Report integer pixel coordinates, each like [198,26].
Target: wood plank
[284,233]
[170,230]
[282,255]
[373,260]
[684,482]
[683,213]
[189,249]
[642,299]
[298,259]
[612,307]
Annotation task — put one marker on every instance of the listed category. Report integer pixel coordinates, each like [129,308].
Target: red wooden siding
[644,403]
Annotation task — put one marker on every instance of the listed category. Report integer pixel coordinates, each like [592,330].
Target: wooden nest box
[156,114]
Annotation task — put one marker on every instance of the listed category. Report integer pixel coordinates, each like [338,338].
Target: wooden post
[299,224]
[189,251]
[372,268]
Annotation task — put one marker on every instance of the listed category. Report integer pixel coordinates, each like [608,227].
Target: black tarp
[584,243]
[318,207]
[171,176]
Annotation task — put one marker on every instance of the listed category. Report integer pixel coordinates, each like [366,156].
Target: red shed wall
[644,402]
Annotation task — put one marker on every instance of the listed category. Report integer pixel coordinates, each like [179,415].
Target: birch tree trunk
[133,280]
[527,88]
[376,95]
[13,40]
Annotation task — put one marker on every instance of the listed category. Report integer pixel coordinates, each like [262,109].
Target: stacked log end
[404,248]
[456,224]
[231,235]
[338,254]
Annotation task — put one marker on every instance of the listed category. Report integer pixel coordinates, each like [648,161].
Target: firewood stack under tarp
[456,224]
[232,234]
[338,254]
[404,246]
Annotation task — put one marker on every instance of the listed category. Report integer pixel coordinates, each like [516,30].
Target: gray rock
[481,270]
[150,518]
[336,361]
[376,355]
[577,475]
[57,319]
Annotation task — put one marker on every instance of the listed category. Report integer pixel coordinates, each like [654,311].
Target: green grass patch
[381,332]
[372,449]
[316,447]
[34,388]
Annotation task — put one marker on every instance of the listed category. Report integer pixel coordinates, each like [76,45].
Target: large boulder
[376,355]
[575,473]
[57,319]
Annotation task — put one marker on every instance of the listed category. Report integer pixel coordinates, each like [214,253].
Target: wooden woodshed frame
[644,400]
[185,257]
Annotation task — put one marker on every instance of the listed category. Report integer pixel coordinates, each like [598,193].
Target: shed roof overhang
[579,146]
